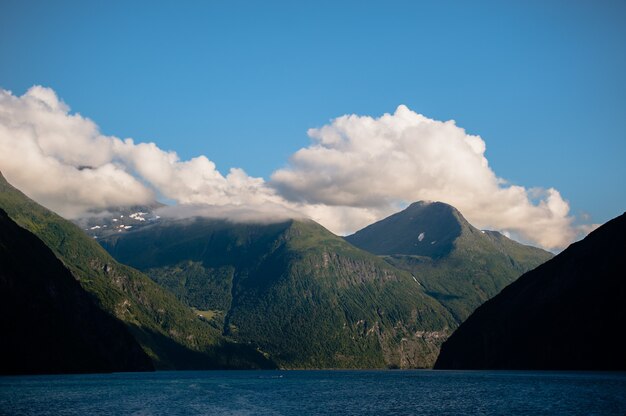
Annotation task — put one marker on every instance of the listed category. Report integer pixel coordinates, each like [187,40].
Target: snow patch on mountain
[138,216]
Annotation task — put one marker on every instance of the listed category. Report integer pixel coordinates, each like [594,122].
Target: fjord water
[317,392]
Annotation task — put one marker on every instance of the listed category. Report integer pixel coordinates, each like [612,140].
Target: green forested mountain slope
[567,314]
[297,292]
[456,263]
[48,322]
[170,333]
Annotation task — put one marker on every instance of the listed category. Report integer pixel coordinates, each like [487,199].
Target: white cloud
[357,170]
[264,212]
[63,161]
[43,150]
[377,164]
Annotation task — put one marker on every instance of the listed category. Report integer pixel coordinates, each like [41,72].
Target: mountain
[49,323]
[456,263]
[293,290]
[114,220]
[169,332]
[567,314]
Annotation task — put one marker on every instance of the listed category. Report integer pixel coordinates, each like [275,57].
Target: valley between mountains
[203,293]
[310,299]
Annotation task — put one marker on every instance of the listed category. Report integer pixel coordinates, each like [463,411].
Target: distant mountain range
[567,314]
[98,224]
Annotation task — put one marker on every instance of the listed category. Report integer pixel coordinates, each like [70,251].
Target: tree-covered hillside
[170,332]
[456,263]
[297,292]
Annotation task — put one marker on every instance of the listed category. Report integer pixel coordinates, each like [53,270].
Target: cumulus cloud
[62,160]
[378,164]
[357,170]
[44,151]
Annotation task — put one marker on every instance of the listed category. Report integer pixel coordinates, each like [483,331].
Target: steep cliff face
[49,323]
[301,295]
[566,314]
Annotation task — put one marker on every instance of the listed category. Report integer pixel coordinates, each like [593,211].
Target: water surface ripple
[317,393]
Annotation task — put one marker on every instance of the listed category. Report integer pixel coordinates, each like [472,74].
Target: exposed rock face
[48,322]
[567,314]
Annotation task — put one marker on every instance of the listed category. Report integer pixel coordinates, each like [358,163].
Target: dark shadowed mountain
[49,323]
[567,314]
[169,332]
[293,290]
[456,263]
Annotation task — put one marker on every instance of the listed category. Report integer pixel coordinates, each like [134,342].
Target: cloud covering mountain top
[377,162]
[357,169]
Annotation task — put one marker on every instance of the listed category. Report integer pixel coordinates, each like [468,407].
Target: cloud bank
[63,161]
[357,170]
[381,163]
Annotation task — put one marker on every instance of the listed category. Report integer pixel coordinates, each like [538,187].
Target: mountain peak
[424,228]
[456,263]
[293,289]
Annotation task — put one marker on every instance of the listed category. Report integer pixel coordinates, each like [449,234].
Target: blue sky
[542,82]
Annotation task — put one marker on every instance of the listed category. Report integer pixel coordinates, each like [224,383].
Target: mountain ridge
[456,263]
[50,324]
[548,317]
[303,295]
[391,235]
[170,333]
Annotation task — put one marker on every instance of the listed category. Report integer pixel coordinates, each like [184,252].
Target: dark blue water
[317,392]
